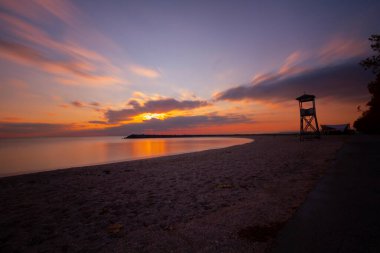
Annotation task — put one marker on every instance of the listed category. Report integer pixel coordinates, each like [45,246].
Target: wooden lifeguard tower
[309,124]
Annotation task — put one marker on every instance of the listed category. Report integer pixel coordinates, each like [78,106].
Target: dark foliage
[369,122]
[261,233]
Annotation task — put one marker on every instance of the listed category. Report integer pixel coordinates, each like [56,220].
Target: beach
[233,199]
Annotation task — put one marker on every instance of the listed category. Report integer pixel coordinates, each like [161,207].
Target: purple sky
[68,63]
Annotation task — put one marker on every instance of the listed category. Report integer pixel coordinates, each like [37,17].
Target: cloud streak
[72,63]
[29,56]
[181,123]
[77,104]
[345,81]
[85,105]
[144,71]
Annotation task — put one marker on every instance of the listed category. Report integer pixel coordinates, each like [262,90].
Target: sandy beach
[226,200]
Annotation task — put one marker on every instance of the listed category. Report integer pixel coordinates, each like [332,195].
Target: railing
[307,112]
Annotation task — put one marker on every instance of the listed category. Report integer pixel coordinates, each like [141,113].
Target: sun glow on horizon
[149,116]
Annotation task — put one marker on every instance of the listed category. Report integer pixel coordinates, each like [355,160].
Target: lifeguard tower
[309,124]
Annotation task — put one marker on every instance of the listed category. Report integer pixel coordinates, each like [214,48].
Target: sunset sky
[82,68]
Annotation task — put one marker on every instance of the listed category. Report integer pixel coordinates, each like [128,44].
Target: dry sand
[227,200]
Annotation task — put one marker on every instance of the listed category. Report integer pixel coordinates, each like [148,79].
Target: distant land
[145,136]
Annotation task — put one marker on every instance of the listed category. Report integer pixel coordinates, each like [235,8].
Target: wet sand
[227,200]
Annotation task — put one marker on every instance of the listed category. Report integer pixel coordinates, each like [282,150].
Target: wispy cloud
[144,71]
[95,104]
[37,36]
[340,48]
[186,122]
[26,55]
[179,123]
[77,104]
[24,8]
[68,13]
[346,81]
[62,10]
[153,106]
[291,64]
[31,45]
[333,71]
[80,104]
[98,122]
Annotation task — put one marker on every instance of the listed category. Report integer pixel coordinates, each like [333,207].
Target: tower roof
[306,98]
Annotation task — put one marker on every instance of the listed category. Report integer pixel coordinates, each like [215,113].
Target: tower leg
[317,127]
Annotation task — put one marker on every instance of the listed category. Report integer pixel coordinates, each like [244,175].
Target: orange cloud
[29,56]
[145,72]
[77,104]
[341,48]
[292,64]
[86,105]
[23,30]
[37,36]
[78,71]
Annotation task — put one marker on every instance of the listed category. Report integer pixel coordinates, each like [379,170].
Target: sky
[89,68]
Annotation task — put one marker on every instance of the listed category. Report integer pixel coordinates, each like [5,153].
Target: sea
[28,155]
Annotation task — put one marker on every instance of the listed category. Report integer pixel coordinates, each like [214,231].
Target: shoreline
[125,157]
[154,136]
[232,198]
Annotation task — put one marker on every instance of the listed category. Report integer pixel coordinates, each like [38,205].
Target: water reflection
[149,147]
[19,156]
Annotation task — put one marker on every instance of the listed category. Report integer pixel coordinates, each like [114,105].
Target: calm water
[19,156]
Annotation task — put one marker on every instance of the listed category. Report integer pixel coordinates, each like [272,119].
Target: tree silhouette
[369,122]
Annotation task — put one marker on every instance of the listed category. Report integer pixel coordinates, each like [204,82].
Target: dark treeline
[369,122]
